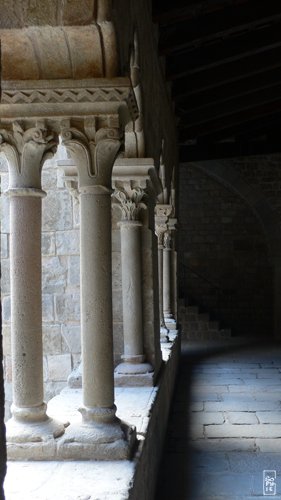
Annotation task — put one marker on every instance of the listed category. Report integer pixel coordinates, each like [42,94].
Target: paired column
[93,438]
[25,151]
[130,202]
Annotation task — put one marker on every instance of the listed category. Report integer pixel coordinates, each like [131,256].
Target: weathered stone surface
[56,211]
[48,244]
[5,209]
[5,276]
[49,178]
[62,52]
[59,367]
[116,271]
[6,335]
[117,305]
[52,339]
[6,309]
[67,307]
[71,335]
[47,307]
[67,242]
[54,275]
[4,245]
[73,277]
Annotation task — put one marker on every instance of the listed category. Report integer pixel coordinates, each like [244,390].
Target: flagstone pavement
[224,431]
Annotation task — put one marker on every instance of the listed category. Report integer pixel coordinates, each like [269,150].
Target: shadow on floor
[177,479]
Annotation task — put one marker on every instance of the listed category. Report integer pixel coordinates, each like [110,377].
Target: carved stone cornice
[93,149]
[26,150]
[53,98]
[129,201]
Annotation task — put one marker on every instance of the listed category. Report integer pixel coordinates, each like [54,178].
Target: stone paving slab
[240,417]
[241,431]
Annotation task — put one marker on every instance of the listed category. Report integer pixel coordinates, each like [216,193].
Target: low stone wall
[149,455]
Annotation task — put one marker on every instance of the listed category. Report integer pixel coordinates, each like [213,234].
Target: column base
[97,441]
[33,440]
[133,375]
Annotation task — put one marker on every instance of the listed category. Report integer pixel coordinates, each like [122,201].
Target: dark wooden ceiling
[223,62]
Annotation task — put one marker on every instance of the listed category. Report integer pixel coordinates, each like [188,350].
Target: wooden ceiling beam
[213,151]
[224,51]
[225,126]
[219,24]
[228,73]
[198,99]
[215,111]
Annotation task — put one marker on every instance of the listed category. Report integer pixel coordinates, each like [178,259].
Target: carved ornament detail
[93,150]
[26,150]
[130,202]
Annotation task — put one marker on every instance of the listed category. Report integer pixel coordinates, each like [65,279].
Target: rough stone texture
[2,427]
[225,266]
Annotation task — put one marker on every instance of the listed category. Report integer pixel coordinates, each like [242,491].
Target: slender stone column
[162,213]
[25,152]
[130,226]
[94,154]
[160,230]
[167,309]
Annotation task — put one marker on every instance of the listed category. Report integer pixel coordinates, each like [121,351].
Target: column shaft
[26,306]
[131,289]
[167,283]
[96,300]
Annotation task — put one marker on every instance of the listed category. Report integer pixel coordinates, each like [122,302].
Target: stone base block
[97,441]
[134,380]
[33,440]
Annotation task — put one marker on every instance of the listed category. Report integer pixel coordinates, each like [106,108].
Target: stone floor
[225,424]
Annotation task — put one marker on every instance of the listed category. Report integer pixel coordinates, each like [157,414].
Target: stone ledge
[126,479]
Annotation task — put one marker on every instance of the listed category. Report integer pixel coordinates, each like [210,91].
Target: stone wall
[225,265]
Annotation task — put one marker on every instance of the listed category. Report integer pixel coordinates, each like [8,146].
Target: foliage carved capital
[26,150]
[93,149]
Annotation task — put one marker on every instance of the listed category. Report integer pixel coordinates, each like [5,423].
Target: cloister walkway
[225,424]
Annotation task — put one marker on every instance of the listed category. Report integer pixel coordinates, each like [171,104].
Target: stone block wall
[224,256]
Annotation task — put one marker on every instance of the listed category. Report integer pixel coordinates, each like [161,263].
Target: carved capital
[167,240]
[163,211]
[130,201]
[160,229]
[93,149]
[26,149]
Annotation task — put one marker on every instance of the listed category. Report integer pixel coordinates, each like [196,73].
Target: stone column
[130,202]
[170,281]
[167,309]
[162,213]
[26,151]
[100,435]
